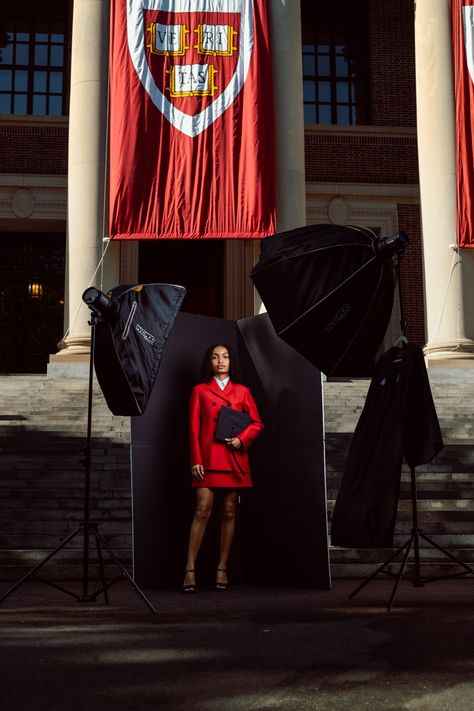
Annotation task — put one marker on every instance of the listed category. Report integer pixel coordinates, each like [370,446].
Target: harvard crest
[192,60]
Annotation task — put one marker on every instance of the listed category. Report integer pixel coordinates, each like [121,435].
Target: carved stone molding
[32,198]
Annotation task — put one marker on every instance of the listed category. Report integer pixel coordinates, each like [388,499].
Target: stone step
[360,571]
[62,528]
[429,506]
[49,540]
[33,556]
[59,572]
[464,553]
[106,482]
[10,516]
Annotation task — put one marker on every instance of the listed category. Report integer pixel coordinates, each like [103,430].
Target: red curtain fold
[462,21]
[191,140]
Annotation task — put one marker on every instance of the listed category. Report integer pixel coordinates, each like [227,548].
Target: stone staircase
[43,424]
[43,427]
[445,486]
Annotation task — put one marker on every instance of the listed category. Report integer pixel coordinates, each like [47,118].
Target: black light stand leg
[87,528]
[417,581]
[413,542]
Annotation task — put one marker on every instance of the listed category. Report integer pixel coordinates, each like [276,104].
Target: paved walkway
[245,650]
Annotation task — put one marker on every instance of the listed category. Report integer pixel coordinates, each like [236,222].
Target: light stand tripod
[86,527]
[413,542]
[414,539]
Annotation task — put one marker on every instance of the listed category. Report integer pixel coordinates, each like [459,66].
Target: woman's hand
[197,470]
[234,442]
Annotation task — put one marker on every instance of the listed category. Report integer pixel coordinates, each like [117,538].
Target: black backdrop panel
[284,522]
[281,534]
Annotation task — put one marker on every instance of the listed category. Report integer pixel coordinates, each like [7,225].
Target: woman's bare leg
[228,510]
[204,502]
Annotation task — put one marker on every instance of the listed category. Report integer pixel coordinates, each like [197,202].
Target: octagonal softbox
[129,345]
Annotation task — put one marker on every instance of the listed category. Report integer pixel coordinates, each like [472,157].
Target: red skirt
[223,480]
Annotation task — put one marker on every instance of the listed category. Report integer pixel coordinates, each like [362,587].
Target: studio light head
[388,246]
[100,304]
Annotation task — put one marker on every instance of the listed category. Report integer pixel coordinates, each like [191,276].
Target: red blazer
[204,407]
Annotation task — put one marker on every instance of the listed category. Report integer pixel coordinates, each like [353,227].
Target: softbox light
[328,291]
[129,342]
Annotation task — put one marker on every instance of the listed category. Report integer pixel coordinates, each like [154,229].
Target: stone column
[449,273]
[86,170]
[285,29]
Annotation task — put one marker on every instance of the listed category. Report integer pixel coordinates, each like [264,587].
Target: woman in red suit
[217,465]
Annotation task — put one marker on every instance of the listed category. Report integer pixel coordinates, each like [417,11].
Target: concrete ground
[245,650]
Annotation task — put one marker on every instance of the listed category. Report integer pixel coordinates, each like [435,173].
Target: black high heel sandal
[189,587]
[222,587]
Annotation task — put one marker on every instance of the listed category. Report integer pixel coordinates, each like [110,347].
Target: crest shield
[192,58]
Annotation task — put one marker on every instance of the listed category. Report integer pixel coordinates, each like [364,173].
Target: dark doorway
[198,265]
[31,300]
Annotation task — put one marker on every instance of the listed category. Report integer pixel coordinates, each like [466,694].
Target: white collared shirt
[222,383]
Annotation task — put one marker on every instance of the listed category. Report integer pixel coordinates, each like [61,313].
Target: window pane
[342,92]
[41,55]
[6,54]
[21,54]
[39,105]
[39,83]
[324,65]
[309,113]
[56,82]
[308,64]
[21,81]
[55,105]
[57,39]
[342,67]
[343,115]
[22,36]
[41,37]
[324,114]
[5,106]
[57,56]
[19,104]
[324,89]
[5,80]
[309,90]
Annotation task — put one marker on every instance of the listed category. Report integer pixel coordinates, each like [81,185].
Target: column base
[72,360]
[450,354]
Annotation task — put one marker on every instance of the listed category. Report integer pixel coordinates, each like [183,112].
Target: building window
[334,66]
[32,67]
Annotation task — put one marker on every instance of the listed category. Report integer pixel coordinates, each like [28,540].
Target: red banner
[462,19]
[191,120]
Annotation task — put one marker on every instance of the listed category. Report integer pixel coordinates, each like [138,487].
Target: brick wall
[35,149]
[361,159]
[391,53]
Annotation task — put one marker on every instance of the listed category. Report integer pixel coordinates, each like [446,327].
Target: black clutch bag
[231,423]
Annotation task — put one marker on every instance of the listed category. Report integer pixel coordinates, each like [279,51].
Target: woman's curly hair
[234,366]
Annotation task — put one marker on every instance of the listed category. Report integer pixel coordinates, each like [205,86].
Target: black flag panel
[398,419]
[129,345]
